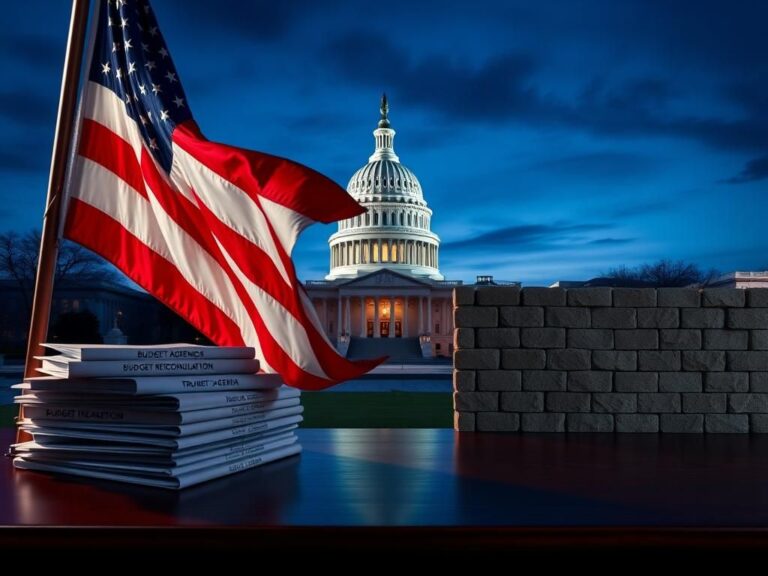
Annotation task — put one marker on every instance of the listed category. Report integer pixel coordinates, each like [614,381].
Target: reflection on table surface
[434,477]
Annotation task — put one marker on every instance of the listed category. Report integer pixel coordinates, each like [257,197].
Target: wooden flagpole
[49,243]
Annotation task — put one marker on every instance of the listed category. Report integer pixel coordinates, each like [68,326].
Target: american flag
[206,228]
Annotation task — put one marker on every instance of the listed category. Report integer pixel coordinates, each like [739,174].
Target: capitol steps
[399,350]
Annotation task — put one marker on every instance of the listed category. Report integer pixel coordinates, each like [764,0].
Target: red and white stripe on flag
[212,238]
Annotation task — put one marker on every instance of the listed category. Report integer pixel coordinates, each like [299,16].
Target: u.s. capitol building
[384,280]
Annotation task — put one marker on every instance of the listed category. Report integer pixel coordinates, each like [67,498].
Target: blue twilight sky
[553,139]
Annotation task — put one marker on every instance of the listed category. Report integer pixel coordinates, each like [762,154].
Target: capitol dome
[395,231]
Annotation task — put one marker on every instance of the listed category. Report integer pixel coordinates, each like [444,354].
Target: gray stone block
[497,295]
[757,297]
[680,339]
[680,382]
[463,296]
[758,423]
[499,380]
[706,403]
[567,317]
[659,403]
[567,402]
[636,339]
[749,318]
[620,318]
[476,317]
[590,338]
[758,382]
[498,337]
[617,360]
[464,338]
[634,297]
[464,421]
[522,359]
[740,403]
[569,359]
[726,339]
[543,422]
[682,423]
[658,317]
[476,359]
[614,402]
[498,422]
[636,382]
[702,318]
[726,423]
[747,361]
[521,316]
[464,380]
[589,422]
[476,401]
[646,423]
[534,296]
[704,361]
[543,381]
[758,339]
[590,381]
[722,297]
[679,297]
[589,297]
[522,401]
[659,361]
[542,337]
[726,382]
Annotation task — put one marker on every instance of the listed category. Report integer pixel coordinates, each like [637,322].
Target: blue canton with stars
[131,59]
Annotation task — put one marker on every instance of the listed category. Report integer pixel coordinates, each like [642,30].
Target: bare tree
[665,273]
[18,262]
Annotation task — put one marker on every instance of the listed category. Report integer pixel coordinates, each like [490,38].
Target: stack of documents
[169,416]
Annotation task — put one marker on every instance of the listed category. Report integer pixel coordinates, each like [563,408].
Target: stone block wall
[610,359]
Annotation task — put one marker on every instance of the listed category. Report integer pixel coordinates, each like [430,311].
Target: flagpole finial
[384,122]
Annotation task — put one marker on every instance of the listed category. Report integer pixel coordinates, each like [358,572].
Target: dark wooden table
[435,486]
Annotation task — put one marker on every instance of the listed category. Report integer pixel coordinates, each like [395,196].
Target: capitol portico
[384,280]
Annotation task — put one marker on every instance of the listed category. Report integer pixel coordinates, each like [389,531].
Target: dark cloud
[496,89]
[599,165]
[42,53]
[754,170]
[530,237]
[28,108]
[503,88]
[612,241]
[256,20]
[20,160]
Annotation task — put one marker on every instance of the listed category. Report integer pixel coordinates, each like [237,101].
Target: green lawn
[377,410]
[356,410]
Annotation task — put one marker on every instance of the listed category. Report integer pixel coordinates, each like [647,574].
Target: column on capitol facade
[376,317]
[363,327]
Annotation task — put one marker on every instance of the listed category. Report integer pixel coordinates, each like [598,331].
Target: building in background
[729,280]
[138,317]
[385,294]
[741,280]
